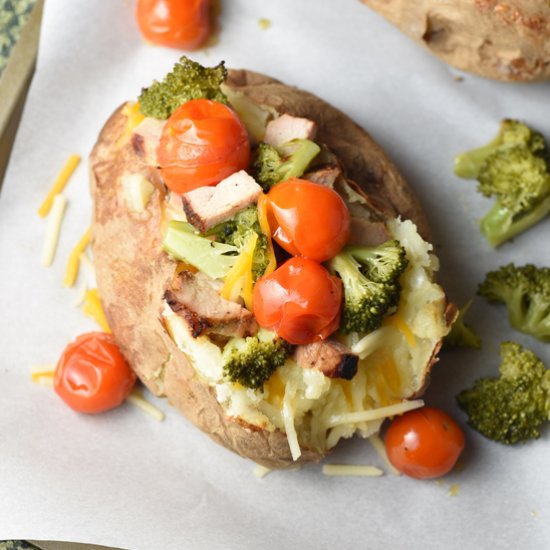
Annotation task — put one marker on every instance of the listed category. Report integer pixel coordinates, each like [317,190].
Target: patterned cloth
[13,14]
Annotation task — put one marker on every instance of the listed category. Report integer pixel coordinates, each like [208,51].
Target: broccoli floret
[526,292]
[513,168]
[237,231]
[251,361]
[513,407]
[188,80]
[275,164]
[370,276]
[462,335]
[184,243]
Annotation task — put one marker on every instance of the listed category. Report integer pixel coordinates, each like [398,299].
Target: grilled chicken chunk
[206,207]
[286,128]
[195,298]
[333,359]
[145,139]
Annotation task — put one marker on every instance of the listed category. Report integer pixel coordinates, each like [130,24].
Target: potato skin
[133,272]
[504,40]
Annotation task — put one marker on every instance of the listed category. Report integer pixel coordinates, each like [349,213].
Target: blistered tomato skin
[424,443]
[300,301]
[183,24]
[92,375]
[202,143]
[308,219]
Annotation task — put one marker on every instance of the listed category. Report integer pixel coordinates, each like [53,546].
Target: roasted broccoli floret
[188,80]
[511,408]
[251,361]
[462,335]
[237,232]
[525,290]
[186,244]
[513,168]
[370,276]
[275,164]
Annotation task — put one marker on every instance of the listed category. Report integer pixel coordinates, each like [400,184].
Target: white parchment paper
[123,479]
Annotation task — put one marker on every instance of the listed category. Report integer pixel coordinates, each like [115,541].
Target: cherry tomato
[308,219]
[424,443]
[300,301]
[92,376]
[202,143]
[174,23]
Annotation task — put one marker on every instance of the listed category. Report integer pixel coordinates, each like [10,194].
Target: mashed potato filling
[316,411]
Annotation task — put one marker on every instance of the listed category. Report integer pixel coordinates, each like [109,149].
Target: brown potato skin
[133,272]
[504,40]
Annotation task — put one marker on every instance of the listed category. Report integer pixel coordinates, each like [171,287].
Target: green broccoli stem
[501,224]
[467,165]
[300,153]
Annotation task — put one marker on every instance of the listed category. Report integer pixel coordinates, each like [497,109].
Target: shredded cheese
[374,414]
[137,190]
[43,374]
[136,398]
[87,263]
[264,226]
[397,321]
[93,308]
[380,448]
[364,470]
[288,421]
[54,228]
[238,281]
[134,117]
[74,259]
[58,185]
[80,294]
[260,471]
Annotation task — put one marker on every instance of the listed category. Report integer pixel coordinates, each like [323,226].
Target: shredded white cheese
[288,419]
[54,228]
[136,398]
[137,190]
[364,470]
[260,471]
[374,414]
[380,448]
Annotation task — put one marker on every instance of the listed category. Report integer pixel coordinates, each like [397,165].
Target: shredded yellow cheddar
[58,185]
[74,259]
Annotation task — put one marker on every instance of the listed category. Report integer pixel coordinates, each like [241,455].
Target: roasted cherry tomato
[174,23]
[202,143]
[308,219]
[92,376]
[300,301]
[424,443]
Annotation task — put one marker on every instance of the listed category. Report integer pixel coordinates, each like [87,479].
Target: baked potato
[299,413]
[504,40]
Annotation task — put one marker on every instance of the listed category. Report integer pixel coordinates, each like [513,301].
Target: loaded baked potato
[182,332]
[505,40]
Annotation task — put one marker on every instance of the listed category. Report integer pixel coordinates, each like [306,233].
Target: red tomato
[202,143]
[92,376]
[308,219]
[424,443]
[174,23]
[300,301]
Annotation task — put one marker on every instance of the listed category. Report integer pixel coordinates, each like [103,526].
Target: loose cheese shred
[58,185]
[374,414]
[85,261]
[352,470]
[53,230]
[80,294]
[380,448]
[43,374]
[261,471]
[93,308]
[74,259]
[288,421]
[136,398]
